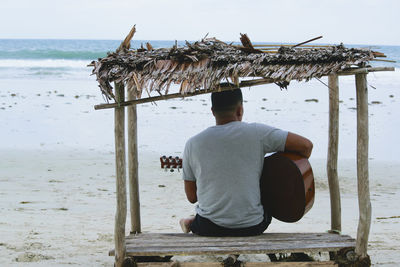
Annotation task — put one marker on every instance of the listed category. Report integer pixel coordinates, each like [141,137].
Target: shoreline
[59,114]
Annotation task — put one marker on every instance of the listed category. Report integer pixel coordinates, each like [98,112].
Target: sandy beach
[57,166]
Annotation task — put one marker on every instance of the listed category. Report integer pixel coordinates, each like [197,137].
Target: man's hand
[190,190]
[298,144]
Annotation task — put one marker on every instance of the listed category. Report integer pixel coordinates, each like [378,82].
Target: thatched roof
[204,64]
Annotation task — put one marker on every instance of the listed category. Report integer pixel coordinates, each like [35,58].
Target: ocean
[55,59]
[68,59]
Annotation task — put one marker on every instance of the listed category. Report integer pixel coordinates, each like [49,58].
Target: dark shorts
[205,227]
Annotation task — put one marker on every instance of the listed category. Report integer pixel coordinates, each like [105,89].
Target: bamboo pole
[133,166]
[120,216]
[308,41]
[364,202]
[331,167]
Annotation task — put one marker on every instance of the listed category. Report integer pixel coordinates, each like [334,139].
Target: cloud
[357,21]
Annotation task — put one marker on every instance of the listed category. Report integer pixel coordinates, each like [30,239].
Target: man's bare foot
[185,224]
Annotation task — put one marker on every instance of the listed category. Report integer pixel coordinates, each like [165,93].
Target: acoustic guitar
[287,186]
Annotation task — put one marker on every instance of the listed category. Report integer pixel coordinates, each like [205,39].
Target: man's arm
[298,144]
[190,190]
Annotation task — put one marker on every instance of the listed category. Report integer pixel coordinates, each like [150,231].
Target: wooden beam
[384,60]
[308,41]
[364,70]
[364,202]
[222,87]
[133,169]
[120,216]
[331,167]
[290,45]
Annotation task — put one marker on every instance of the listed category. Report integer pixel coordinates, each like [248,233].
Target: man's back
[226,162]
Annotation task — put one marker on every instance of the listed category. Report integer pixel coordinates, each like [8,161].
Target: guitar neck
[171,163]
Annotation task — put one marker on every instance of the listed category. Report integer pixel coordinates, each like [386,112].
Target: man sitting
[222,166]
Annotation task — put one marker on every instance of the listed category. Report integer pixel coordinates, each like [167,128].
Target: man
[222,166]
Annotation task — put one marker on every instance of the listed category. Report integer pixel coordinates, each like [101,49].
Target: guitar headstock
[171,163]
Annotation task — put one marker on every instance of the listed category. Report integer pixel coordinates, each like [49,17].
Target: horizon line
[159,40]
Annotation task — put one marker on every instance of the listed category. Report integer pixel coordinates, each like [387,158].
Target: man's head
[227,105]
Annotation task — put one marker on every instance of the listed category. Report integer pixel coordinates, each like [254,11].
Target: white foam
[43,63]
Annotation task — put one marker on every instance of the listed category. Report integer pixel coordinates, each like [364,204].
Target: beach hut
[200,68]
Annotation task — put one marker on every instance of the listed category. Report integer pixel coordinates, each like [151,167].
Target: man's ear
[212,110]
[239,110]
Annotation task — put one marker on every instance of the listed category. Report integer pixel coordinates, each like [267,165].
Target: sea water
[55,59]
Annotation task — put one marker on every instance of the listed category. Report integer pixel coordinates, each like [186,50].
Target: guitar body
[287,186]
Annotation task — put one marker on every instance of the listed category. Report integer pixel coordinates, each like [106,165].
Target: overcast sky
[347,21]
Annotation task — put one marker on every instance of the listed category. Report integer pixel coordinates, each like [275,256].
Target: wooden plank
[239,249]
[181,237]
[120,216]
[205,245]
[213,250]
[364,202]
[133,166]
[188,244]
[331,166]
[190,238]
[245,264]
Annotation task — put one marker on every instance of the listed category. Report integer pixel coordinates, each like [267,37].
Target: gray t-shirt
[226,162]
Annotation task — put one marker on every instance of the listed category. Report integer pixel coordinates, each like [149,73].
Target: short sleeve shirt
[226,162]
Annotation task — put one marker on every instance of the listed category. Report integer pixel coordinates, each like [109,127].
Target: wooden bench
[173,244]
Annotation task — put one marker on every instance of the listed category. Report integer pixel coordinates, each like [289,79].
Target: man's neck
[222,121]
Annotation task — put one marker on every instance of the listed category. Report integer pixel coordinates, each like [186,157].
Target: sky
[347,21]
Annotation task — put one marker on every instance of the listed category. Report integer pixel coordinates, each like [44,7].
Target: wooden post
[120,216]
[133,166]
[364,202]
[331,167]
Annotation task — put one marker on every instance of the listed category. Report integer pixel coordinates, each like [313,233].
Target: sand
[57,170]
